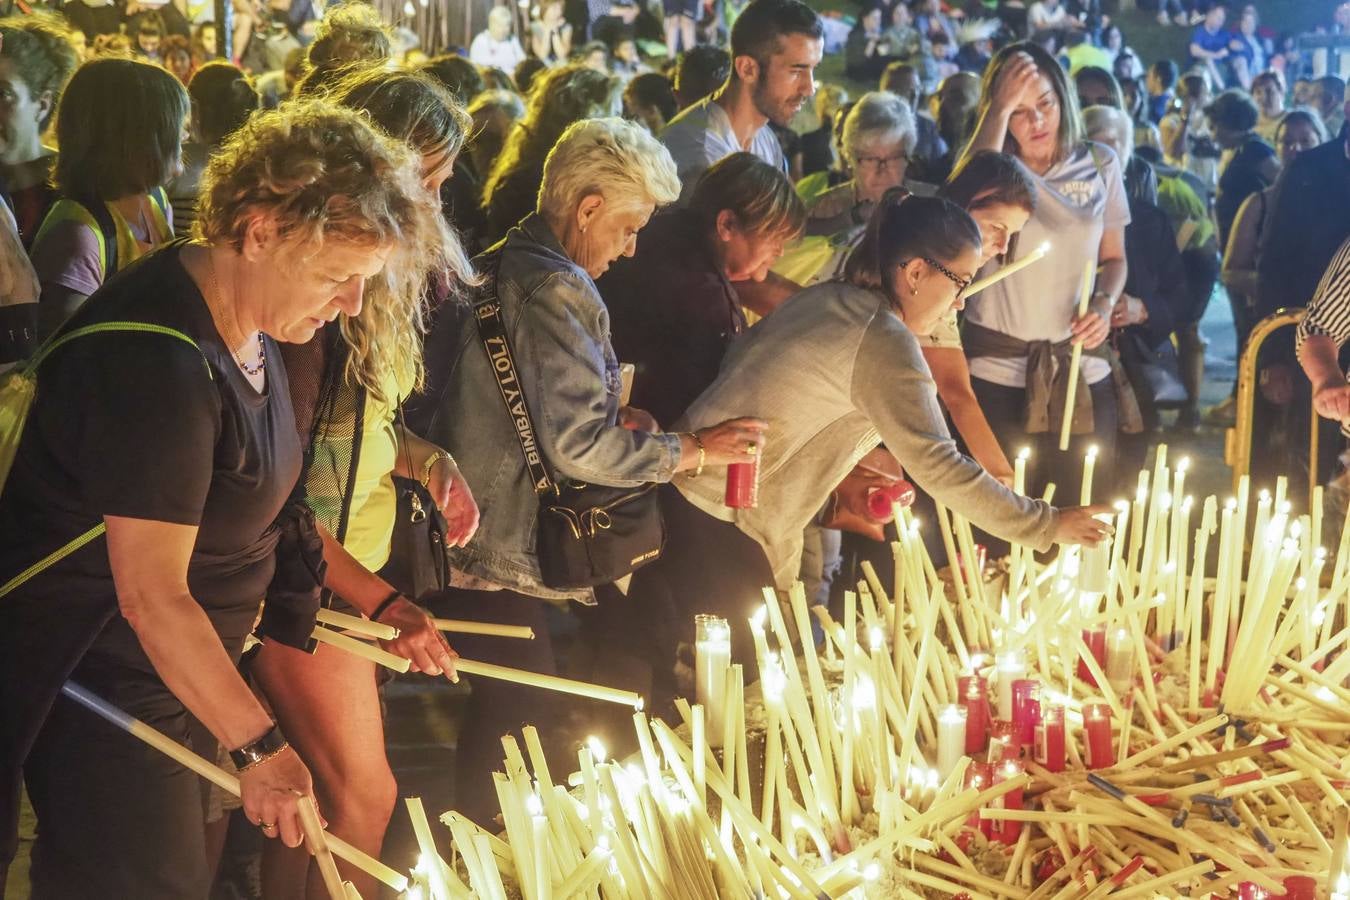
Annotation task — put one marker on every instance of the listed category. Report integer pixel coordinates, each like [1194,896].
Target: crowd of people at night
[337,321]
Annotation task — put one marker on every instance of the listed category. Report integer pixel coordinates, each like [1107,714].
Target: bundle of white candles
[1115,722]
[1168,733]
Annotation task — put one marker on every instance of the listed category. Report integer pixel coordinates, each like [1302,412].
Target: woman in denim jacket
[602,181]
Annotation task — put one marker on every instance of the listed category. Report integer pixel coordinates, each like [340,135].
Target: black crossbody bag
[587,534]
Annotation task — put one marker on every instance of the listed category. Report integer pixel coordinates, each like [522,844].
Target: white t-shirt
[702,135]
[1075,203]
[488,51]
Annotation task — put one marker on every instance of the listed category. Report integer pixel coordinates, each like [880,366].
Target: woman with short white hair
[878,137]
[602,181]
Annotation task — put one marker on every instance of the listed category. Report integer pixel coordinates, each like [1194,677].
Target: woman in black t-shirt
[184,445]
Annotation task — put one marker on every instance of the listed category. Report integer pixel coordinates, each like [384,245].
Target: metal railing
[1237,447]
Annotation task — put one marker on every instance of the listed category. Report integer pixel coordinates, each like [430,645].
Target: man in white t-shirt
[497,48]
[775,48]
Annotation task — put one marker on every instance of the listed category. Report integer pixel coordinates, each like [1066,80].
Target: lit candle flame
[597,748]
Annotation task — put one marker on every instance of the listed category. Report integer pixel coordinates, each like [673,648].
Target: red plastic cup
[743,485]
[881,500]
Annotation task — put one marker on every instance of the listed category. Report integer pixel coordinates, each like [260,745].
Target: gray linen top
[835,372]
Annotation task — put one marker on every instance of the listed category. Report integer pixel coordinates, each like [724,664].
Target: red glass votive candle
[974,693]
[743,485]
[1007,830]
[980,776]
[1101,751]
[1026,709]
[1249,890]
[1050,750]
[1095,638]
[1002,741]
[1300,887]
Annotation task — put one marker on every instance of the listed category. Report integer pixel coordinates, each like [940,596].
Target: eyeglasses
[882,162]
[961,283]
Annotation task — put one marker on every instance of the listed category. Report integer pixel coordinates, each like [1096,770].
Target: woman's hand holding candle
[1078,525]
[418,640]
[1090,329]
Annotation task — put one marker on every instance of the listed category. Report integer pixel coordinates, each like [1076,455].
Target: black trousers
[1004,408]
[116,818]
[496,707]
[708,566]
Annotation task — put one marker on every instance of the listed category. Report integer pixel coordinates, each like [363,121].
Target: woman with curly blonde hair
[558,98]
[177,440]
[328,701]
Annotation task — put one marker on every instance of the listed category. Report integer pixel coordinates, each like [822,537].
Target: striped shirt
[1329,309]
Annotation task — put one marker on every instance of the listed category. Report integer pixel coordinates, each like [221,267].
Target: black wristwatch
[264,748]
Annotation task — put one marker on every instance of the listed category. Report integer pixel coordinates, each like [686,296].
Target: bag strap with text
[487,312]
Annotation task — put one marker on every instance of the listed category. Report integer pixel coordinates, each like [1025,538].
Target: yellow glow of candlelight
[773,680]
[864,693]
[876,638]
[872,871]
[597,748]
[1025,453]
[533,806]
[760,617]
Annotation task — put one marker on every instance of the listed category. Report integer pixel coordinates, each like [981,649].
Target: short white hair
[1097,119]
[612,157]
[500,15]
[879,116]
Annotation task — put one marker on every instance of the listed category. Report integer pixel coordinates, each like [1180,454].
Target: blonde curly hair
[323,173]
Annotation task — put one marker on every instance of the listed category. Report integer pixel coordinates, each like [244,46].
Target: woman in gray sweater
[835,371]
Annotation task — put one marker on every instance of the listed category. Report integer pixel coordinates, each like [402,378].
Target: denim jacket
[558,328]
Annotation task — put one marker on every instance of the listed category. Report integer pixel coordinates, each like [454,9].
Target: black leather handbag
[587,534]
[417,564]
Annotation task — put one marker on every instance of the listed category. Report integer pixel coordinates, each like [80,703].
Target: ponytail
[904,227]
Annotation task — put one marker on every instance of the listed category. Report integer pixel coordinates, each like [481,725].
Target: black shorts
[690,8]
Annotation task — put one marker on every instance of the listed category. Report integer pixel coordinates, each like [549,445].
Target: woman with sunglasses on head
[1019,333]
[835,371]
